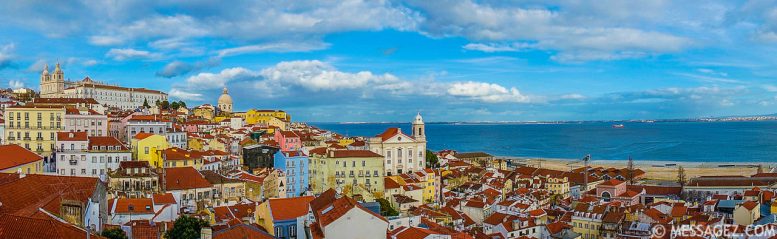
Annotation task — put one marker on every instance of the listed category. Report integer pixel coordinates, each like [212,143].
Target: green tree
[431,159]
[145,103]
[385,208]
[175,105]
[164,105]
[681,177]
[186,227]
[114,233]
[182,104]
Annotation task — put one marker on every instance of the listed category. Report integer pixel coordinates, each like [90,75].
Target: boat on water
[617,126]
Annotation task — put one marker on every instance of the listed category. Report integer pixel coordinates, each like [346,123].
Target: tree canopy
[186,227]
[114,233]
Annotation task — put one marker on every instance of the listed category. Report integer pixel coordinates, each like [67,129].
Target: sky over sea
[386,60]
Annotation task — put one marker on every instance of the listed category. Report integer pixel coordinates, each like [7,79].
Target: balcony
[26,138]
[39,139]
[11,138]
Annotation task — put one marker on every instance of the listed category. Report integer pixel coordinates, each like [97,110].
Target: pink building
[288,140]
[616,191]
[89,121]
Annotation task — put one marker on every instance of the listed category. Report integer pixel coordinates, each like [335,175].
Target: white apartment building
[78,154]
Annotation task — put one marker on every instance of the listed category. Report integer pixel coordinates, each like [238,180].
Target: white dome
[225,99]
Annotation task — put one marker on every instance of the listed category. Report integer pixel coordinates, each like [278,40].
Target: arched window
[606,196]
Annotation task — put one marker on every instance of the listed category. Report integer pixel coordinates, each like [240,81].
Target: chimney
[206,233]
[21,173]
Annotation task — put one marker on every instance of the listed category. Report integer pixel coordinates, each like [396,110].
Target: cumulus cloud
[177,68]
[183,95]
[121,54]
[15,84]
[487,92]
[554,30]
[6,55]
[319,76]
[218,80]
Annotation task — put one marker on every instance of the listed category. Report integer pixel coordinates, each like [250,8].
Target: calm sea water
[660,141]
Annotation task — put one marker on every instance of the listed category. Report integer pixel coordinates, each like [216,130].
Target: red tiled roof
[354,154]
[163,198]
[43,191]
[749,205]
[143,135]
[72,136]
[184,178]
[389,183]
[242,231]
[289,208]
[612,182]
[105,141]
[134,205]
[45,226]
[13,155]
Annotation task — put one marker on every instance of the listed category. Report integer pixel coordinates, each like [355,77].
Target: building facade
[54,85]
[403,153]
[295,164]
[34,127]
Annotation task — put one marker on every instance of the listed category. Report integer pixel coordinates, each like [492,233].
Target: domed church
[225,102]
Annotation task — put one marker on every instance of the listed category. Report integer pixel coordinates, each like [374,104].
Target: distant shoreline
[663,173]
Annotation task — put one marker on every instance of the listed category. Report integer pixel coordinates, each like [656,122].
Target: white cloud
[6,55]
[15,84]
[319,76]
[487,92]
[273,47]
[121,54]
[573,96]
[218,80]
[563,31]
[183,95]
[493,47]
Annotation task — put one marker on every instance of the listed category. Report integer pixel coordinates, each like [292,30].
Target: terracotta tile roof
[354,154]
[184,178]
[289,208]
[105,141]
[389,183]
[242,231]
[144,229]
[72,136]
[143,135]
[338,208]
[133,205]
[749,205]
[13,155]
[237,211]
[163,198]
[64,101]
[414,233]
[611,182]
[43,191]
[45,226]
[390,132]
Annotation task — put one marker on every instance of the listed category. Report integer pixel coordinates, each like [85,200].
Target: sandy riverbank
[657,170]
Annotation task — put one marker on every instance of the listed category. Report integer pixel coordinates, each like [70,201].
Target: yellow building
[558,186]
[205,111]
[747,212]
[149,147]
[589,222]
[277,118]
[195,143]
[15,159]
[345,141]
[217,144]
[351,172]
[34,127]
[181,158]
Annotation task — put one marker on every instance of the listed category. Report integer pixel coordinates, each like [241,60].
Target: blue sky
[386,60]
